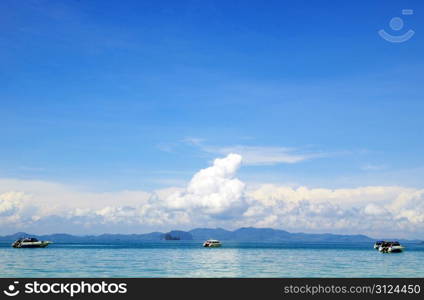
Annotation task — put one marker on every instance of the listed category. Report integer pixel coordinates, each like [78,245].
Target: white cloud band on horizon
[214,197]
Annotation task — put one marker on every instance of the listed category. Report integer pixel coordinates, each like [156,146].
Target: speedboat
[30,243]
[384,246]
[395,247]
[212,243]
[391,247]
[378,244]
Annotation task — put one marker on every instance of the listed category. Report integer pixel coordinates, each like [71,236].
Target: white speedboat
[391,247]
[212,244]
[30,243]
[395,247]
[378,244]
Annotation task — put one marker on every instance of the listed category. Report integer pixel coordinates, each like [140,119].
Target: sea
[190,259]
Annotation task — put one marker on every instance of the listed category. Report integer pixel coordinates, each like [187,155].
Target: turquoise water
[189,259]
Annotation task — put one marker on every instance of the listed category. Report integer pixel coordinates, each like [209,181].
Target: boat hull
[31,245]
[395,249]
[211,246]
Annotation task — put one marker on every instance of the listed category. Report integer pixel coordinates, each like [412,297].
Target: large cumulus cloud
[213,190]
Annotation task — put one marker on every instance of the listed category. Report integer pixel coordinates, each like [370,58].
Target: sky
[139,116]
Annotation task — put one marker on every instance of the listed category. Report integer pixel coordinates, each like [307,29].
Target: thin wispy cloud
[373,167]
[193,141]
[258,155]
[254,155]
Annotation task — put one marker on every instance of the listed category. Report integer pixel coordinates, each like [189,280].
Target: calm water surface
[189,259]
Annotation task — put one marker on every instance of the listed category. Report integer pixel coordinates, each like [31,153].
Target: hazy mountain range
[249,234]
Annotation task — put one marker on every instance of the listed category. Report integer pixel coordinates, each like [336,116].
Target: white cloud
[257,155]
[213,190]
[10,203]
[193,141]
[214,197]
[373,167]
[268,155]
[375,210]
[270,195]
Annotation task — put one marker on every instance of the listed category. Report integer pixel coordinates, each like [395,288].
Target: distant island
[245,234]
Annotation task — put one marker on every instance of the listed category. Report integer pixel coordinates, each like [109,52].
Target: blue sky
[115,96]
[90,90]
